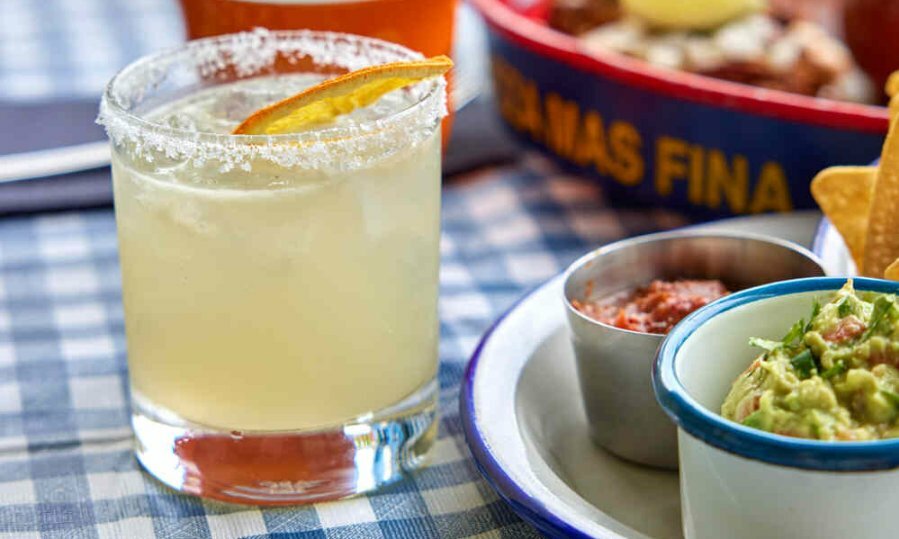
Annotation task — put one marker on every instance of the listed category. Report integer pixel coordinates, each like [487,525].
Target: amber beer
[422,25]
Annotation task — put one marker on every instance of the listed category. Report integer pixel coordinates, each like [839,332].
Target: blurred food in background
[872,32]
[578,16]
[668,137]
[784,46]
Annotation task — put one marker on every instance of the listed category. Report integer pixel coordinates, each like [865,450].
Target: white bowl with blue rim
[738,482]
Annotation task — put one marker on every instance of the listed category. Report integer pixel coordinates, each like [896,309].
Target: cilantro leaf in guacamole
[835,377]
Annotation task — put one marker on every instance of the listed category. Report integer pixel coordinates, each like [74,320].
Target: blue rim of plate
[716,431]
[526,506]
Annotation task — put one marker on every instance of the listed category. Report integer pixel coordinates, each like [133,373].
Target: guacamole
[834,377]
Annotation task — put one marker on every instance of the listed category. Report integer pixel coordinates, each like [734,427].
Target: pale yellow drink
[280,291]
[278,299]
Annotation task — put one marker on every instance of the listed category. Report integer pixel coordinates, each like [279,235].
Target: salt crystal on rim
[334,148]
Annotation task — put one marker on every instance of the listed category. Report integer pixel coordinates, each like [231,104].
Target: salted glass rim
[112,107]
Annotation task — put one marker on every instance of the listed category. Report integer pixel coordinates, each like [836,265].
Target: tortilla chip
[892,272]
[894,108]
[882,239]
[844,195]
[892,86]
[892,89]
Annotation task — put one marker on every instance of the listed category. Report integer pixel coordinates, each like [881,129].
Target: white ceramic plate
[525,424]
[830,247]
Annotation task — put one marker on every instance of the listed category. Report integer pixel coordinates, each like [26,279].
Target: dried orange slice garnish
[341,95]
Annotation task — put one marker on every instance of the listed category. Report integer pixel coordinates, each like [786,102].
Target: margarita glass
[280,291]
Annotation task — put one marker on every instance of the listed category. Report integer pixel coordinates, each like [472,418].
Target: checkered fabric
[66,468]
[71,48]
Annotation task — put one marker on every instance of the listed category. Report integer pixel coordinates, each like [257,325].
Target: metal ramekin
[615,365]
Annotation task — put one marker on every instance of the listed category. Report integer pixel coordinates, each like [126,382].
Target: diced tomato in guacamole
[832,378]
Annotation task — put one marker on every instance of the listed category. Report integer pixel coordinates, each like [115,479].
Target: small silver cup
[614,365]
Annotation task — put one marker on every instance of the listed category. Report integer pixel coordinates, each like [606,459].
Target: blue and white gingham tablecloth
[71,48]
[66,468]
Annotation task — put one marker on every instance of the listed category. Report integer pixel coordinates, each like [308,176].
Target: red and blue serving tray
[662,137]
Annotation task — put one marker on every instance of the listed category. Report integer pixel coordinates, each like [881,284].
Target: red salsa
[654,308]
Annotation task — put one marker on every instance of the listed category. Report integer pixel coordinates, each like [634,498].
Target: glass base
[284,467]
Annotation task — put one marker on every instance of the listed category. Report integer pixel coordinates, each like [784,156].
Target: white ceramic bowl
[738,482]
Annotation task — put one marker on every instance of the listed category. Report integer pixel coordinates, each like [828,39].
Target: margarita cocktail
[280,291]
